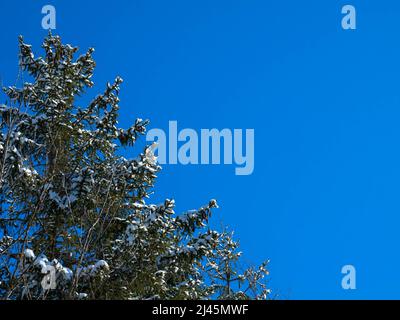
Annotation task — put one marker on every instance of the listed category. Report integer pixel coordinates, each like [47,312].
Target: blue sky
[324,103]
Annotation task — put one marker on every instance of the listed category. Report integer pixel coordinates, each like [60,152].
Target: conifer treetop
[72,204]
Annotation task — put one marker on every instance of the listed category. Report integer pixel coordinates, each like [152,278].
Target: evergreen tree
[74,221]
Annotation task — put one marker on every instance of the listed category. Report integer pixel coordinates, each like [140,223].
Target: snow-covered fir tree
[74,217]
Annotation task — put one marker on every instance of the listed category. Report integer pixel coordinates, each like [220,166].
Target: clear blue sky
[324,103]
